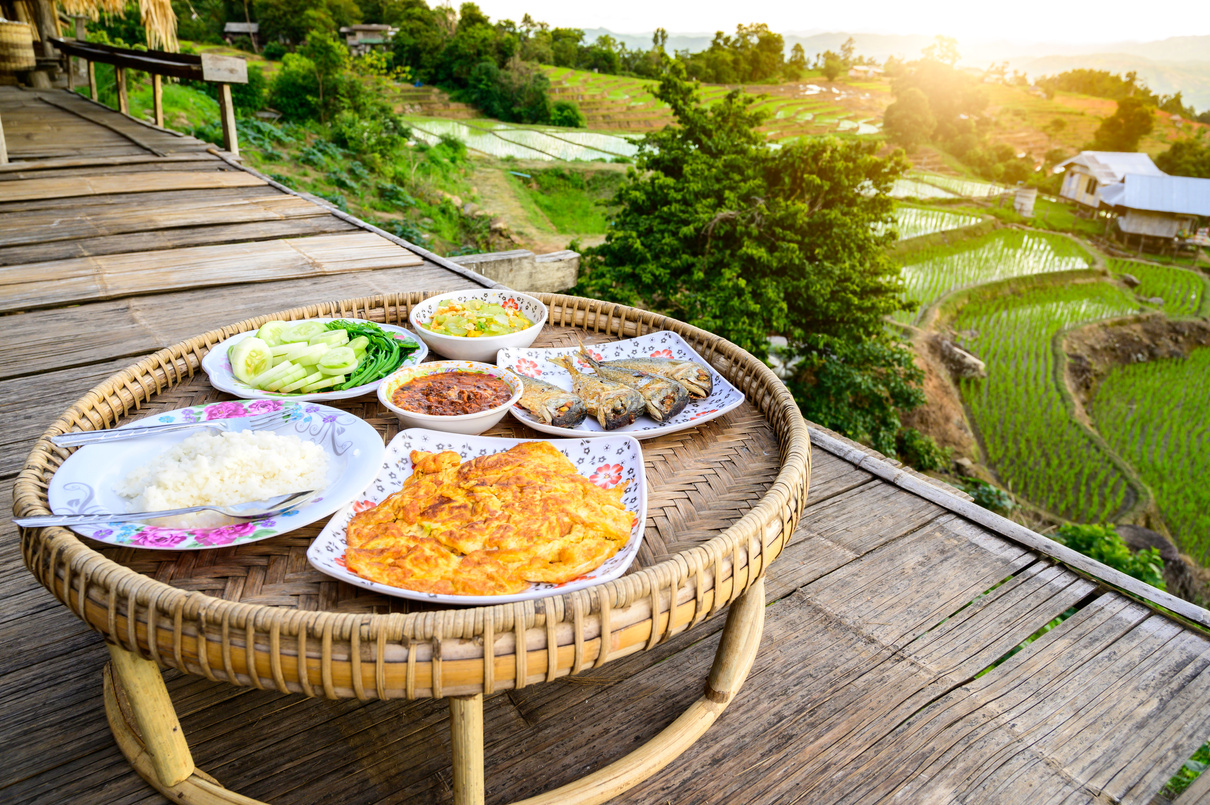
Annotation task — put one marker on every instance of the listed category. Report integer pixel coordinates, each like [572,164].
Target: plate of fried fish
[643,387]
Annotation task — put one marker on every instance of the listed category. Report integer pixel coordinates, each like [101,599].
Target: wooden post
[226,110]
[123,104]
[154,714]
[3,146]
[157,98]
[466,740]
[92,80]
[79,67]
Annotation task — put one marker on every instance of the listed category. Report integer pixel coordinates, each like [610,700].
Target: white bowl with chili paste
[477,344]
[454,396]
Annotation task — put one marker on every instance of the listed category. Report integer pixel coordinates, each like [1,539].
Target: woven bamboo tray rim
[748,544]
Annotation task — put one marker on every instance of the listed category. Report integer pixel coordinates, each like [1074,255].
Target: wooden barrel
[16,47]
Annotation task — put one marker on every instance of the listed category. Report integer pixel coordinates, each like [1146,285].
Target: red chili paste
[452,394]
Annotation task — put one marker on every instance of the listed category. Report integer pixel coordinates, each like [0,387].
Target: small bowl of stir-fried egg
[474,325]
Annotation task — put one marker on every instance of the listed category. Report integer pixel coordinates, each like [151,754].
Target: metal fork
[268,420]
[252,510]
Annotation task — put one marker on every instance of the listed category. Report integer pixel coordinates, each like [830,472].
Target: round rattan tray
[327,642]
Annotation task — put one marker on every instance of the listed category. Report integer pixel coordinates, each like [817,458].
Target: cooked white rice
[223,468]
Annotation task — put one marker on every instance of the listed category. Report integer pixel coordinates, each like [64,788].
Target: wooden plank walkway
[888,671]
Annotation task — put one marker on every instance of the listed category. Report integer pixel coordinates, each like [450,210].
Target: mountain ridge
[1167,66]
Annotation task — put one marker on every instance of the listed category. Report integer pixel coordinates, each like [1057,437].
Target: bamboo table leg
[158,752]
[466,738]
[154,715]
[732,662]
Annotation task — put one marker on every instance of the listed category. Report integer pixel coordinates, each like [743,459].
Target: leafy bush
[920,451]
[295,89]
[1101,542]
[274,51]
[990,497]
[567,115]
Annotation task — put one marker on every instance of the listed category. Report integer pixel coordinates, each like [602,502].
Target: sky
[1065,21]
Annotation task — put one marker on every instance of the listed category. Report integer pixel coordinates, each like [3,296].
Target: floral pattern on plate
[85,483]
[662,344]
[607,462]
[218,368]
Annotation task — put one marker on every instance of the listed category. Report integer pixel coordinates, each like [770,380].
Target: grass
[1154,415]
[1183,291]
[935,271]
[1022,415]
[570,200]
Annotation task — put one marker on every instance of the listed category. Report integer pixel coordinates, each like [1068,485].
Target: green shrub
[274,51]
[567,115]
[920,451]
[295,88]
[1101,542]
[990,497]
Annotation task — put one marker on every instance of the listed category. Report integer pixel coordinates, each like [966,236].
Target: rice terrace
[928,327]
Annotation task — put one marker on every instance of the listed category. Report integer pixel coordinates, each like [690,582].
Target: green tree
[720,230]
[1187,157]
[832,68]
[329,58]
[1122,131]
[420,39]
[909,119]
[944,50]
[798,59]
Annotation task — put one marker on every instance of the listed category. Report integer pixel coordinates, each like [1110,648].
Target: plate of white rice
[320,448]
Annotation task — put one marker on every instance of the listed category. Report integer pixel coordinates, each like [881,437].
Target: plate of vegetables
[312,359]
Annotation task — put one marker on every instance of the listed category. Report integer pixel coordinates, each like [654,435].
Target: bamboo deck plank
[113,276]
[146,182]
[84,206]
[152,240]
[17,171]
[194,208]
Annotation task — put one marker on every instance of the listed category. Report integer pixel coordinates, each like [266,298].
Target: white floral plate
[663,344]
[85,483]
[607,462]
[218,368]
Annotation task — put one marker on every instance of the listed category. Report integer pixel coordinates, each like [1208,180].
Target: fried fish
[551,404]
[693,376]
[663,397]
[613,404]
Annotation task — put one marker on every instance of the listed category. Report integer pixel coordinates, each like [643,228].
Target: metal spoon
[252,510]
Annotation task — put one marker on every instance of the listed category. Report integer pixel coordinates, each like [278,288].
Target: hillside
[1167,66]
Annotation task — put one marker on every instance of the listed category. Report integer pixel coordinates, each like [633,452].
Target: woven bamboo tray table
[723,499]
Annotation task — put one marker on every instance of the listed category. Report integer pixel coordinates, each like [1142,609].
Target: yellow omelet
[490,525]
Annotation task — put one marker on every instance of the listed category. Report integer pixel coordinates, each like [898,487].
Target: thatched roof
[158,18]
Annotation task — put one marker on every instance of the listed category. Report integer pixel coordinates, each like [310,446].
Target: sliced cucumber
[312,355]
[270,332]
[269,375]
[325,383]
[249,358]
[314,377]
[337,361]
[296,373]
[333,338]
[288,352]
[302,331]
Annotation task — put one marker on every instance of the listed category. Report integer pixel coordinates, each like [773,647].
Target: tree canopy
[1122,131]
[718,229]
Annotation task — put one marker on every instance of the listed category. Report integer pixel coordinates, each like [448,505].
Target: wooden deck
[879,676]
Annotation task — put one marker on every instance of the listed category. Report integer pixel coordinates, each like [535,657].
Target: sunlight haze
[1028,21]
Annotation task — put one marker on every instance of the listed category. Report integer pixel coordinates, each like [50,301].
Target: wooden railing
[221,70]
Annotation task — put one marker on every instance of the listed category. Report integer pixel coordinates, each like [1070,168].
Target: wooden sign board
[224,69]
